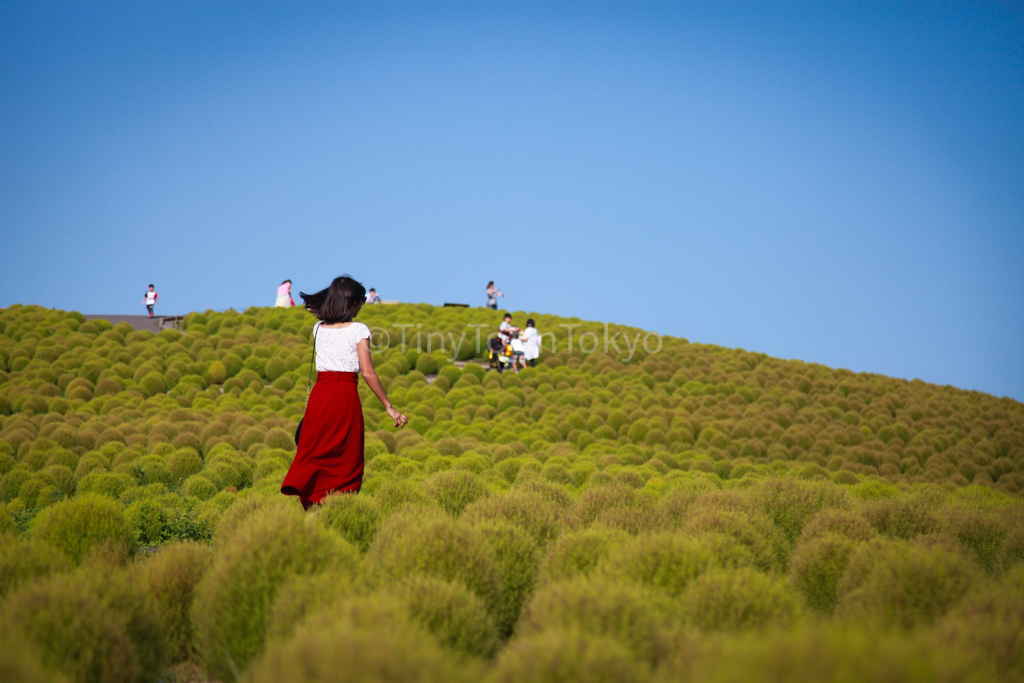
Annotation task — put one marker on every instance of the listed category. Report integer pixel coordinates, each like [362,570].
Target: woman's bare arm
[372,381]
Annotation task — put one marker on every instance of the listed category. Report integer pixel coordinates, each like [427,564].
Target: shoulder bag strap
[309,382]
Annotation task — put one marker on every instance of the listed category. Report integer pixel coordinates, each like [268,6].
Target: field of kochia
[668,512]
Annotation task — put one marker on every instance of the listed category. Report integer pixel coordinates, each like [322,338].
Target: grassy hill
[634,507]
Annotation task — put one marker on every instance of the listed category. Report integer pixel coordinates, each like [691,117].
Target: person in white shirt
[531,343]
[150,299]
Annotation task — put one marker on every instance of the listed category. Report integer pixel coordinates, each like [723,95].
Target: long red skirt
[330,453]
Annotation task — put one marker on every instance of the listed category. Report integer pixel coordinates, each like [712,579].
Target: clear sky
[841,183]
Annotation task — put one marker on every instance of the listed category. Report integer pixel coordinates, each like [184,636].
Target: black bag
[309,385]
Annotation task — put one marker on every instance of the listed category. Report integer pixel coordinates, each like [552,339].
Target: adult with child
[506,329]
[150,299]
[330,447]
[372,297]
[531,343]
[492,295]
[284,295]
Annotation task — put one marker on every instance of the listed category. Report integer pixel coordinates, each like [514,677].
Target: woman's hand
[400,420]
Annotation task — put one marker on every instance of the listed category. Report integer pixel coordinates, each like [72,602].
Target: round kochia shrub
[666,561]
[578,553]
[455,489]
[370,639]
[22,560]
[171,577]
[817,565]
[731,599]
[454,614]
[528,510]
[601,608]
[517,556]
[233,601]
[558,655]
[440,547]
[905,585]
[76,526]
[354,516]
[93,625]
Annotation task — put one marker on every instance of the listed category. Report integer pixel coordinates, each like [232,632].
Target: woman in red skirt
[330,448]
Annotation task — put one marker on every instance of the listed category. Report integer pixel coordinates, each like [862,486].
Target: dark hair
[507,315]
[288,281]
[372,289]
[491,283]
[151,284]
[530,323]
[339,303]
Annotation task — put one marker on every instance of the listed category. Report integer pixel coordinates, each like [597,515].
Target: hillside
[690,490]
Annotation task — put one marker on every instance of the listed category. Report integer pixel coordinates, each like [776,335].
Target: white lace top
[336,347]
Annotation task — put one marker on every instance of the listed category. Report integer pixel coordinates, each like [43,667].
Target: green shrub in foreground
[516,554]
[906,585]
[22,560]
[369,639]
[989,623]
[75,526]
[666,561]
[442,547]
[816,567]
[454,614]
[171,577]
[733,599]
[22,661]
[602,608]
[578,553]
[562,655]
[93,625]
[233,601]
[453,490]
[829,654]
[354,516]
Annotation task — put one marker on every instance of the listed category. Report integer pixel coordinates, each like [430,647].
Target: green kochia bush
[455,489]
[453,613]
[76,526]
[355,517]
[234,598]
[440,547]
[602,608]
[93,625]
[558,655]
[731,599]
[171,578]
[816,567]
[22,560]
[904,585]
[666,561]
[578,553]
[370,639]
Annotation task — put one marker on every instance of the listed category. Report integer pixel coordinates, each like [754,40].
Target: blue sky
[841,183]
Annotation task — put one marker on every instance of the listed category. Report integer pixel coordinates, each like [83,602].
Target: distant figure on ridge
[372,297]
[531,343]
[150,299]
[492,295]
[284,295]
[330,446]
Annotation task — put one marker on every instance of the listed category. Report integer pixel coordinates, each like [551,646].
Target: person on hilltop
[372,297]
[284,295]
[492,295]
[531,343]
[150,298]
[330,446]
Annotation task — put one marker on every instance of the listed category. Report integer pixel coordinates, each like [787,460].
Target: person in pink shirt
[284,295]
